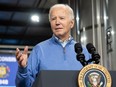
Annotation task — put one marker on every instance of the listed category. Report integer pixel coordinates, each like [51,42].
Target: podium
[62,78]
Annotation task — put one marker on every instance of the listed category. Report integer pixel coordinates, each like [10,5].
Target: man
[56,53]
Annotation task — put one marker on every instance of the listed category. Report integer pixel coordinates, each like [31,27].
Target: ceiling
[16,27]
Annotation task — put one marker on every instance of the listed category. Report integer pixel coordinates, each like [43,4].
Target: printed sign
[8,69]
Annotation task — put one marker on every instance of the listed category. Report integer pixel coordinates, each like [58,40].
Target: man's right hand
[22,57]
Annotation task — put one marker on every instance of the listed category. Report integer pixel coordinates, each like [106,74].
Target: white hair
[70,10]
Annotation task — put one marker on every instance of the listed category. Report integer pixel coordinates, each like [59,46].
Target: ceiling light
[35,18]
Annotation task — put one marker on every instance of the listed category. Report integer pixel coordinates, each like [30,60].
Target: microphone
[80,56]
[78,48]
[92,50]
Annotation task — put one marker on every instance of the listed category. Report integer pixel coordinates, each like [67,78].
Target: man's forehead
[59,11]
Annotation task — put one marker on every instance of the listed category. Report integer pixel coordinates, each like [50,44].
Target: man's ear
[72,23]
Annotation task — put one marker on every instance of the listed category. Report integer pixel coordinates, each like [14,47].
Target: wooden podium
[60,78]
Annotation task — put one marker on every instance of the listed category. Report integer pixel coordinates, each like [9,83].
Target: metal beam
[15,8]
[22,23]
[24,37]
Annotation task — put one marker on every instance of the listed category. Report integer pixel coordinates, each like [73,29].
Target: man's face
[61,22]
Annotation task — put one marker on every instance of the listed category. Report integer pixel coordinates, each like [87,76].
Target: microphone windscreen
[90,48]
[78,48]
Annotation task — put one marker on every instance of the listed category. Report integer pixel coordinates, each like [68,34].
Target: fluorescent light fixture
[77,18]
[83,39]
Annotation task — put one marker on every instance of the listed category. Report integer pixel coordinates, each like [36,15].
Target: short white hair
[70,10]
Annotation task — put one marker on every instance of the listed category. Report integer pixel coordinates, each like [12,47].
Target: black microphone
[78,48]
[92,50]
[80,56]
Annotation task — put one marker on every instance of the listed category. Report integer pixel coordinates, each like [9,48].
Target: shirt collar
[63,43]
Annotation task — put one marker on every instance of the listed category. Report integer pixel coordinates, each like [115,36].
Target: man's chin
[59,35]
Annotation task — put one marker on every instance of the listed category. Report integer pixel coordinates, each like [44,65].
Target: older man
[56,53]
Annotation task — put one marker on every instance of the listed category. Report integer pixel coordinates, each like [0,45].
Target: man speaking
[56,53]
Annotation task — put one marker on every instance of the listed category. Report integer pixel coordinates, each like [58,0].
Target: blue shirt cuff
[22,70]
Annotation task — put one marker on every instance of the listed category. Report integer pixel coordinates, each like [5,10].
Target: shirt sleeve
[26,76]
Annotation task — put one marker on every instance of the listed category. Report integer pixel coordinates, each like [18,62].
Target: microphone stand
[81,57]
[95,58]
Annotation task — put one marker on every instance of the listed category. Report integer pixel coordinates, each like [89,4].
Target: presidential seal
[94,75]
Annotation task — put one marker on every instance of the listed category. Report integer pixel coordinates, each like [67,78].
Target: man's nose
[57,21]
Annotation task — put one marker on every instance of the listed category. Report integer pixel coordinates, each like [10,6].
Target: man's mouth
[58,28]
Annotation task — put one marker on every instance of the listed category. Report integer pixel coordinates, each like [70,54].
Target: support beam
[15,8]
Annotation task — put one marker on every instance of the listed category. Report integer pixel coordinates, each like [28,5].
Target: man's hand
[22,57]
